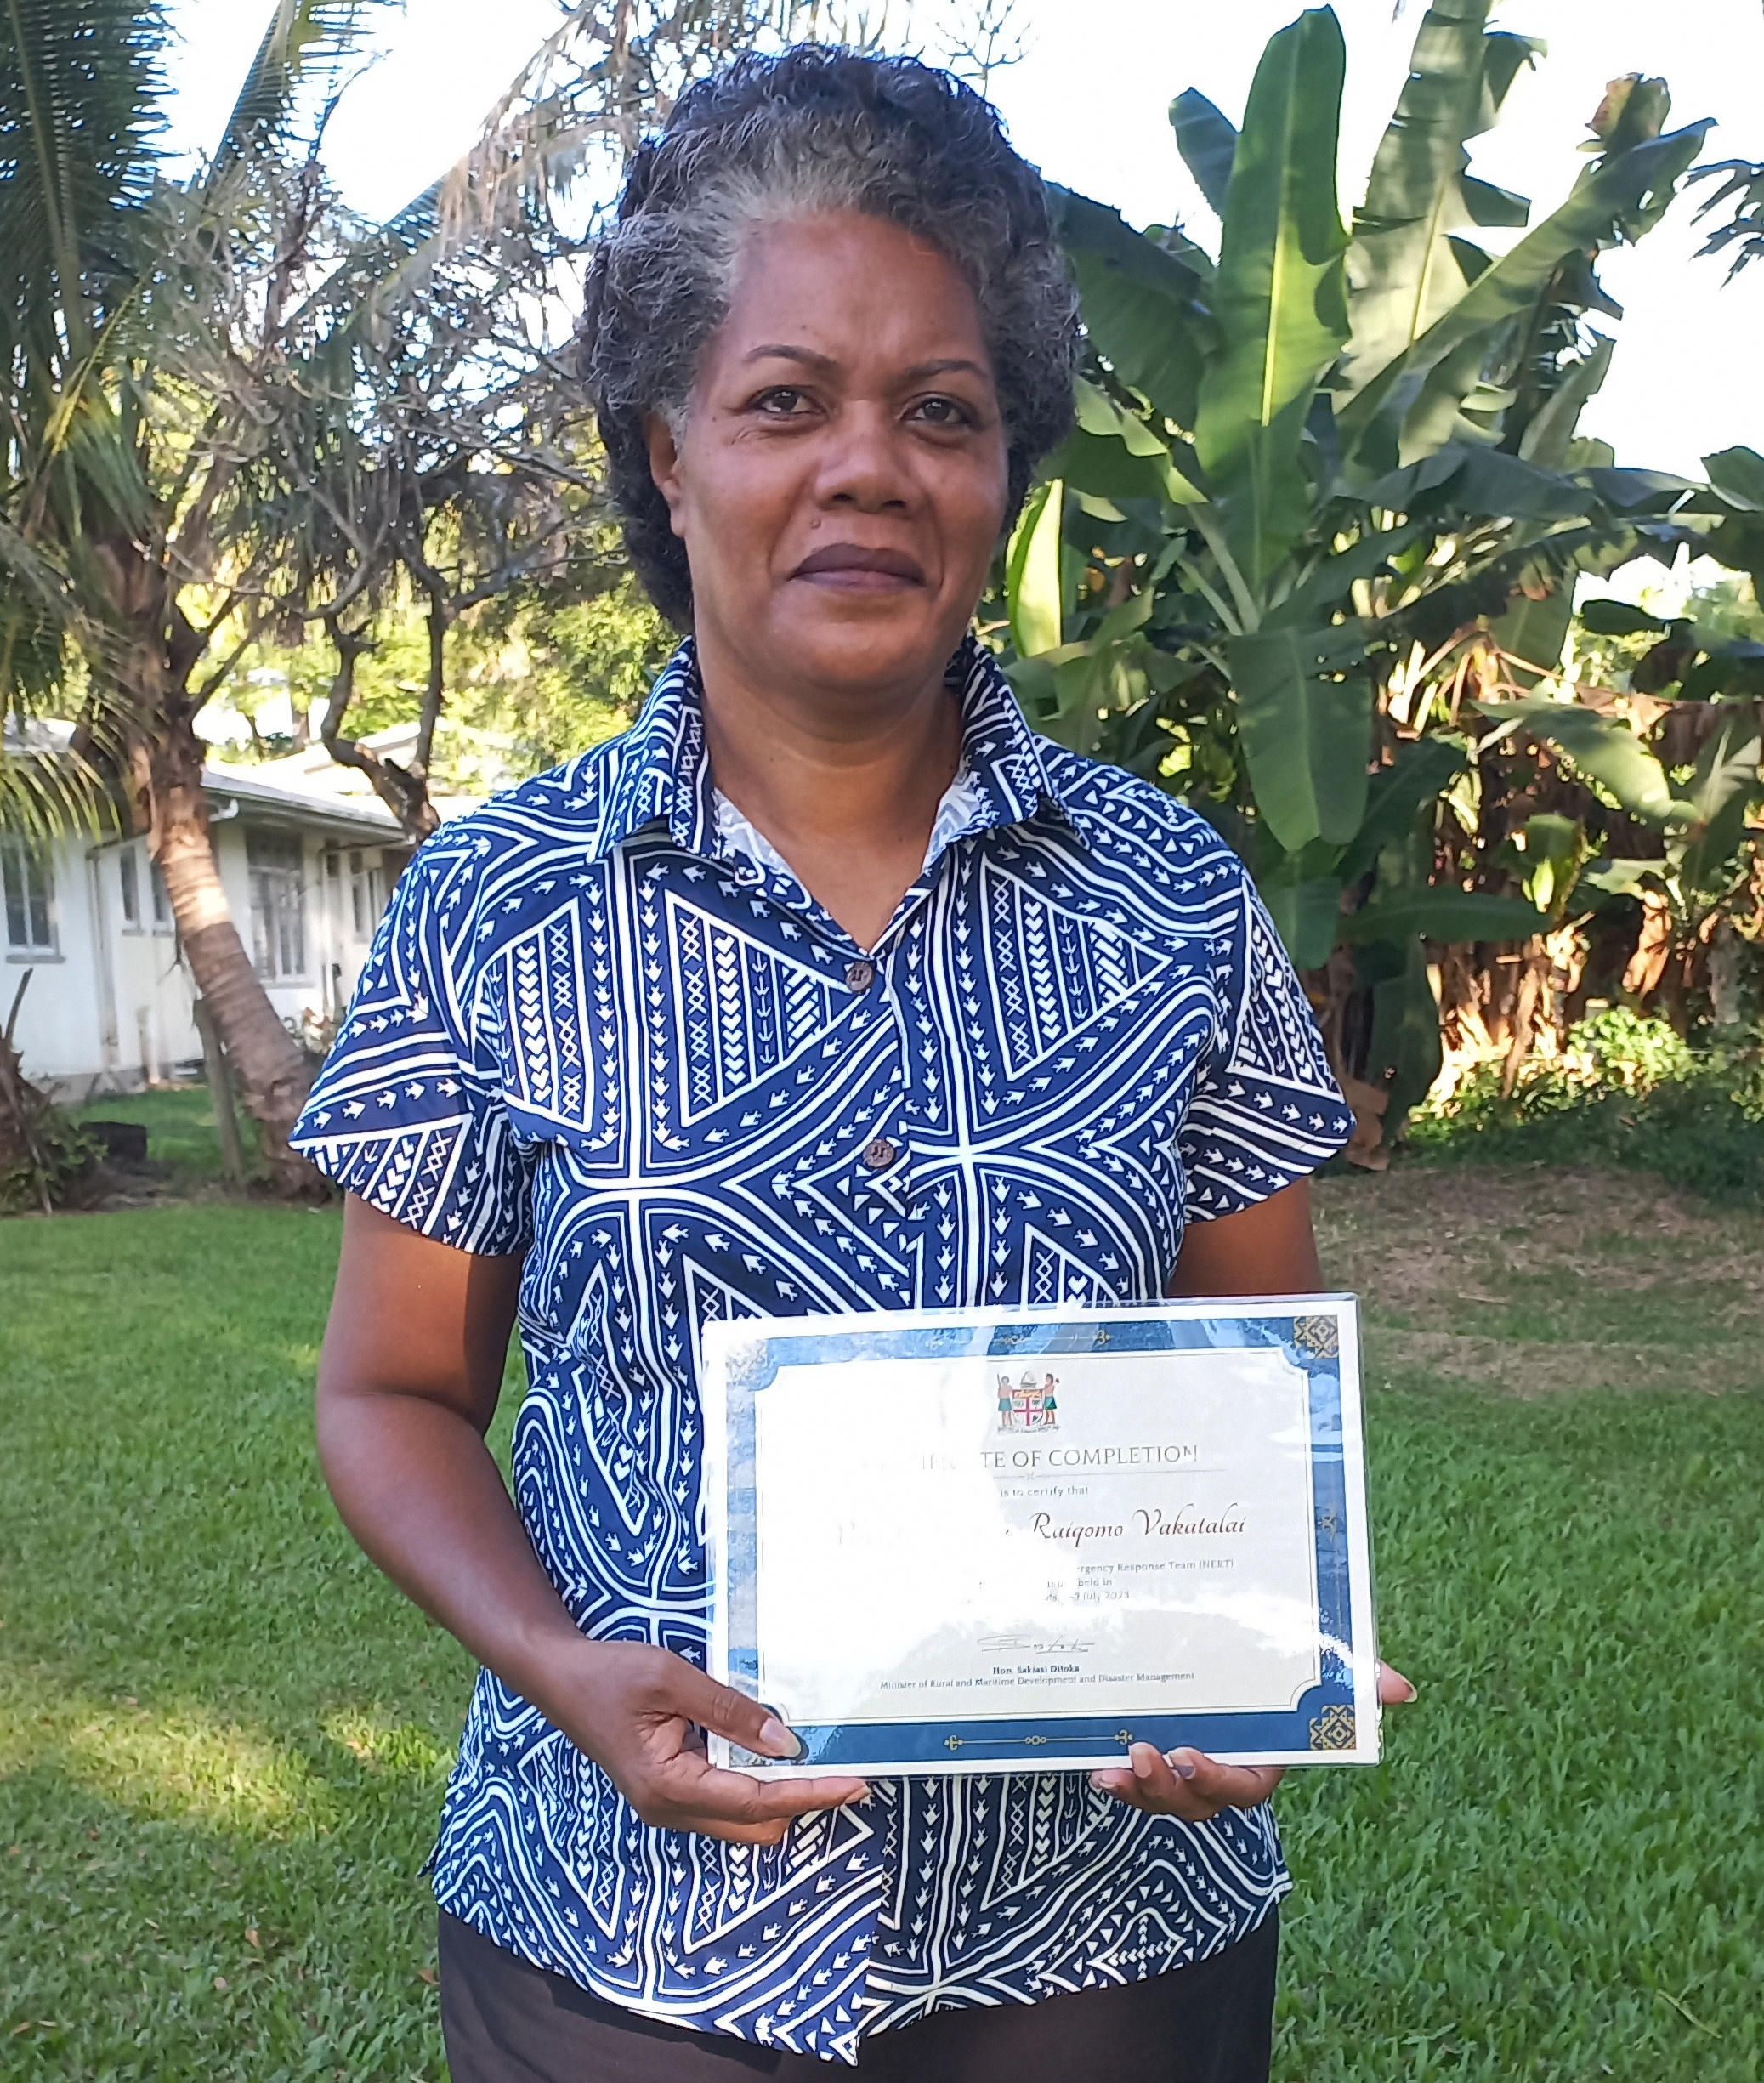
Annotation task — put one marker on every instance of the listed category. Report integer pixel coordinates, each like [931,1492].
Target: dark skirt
[507,2022]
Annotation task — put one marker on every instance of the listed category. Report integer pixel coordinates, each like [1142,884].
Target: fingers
[1395,1690]
[732,1714]
[1149,1782]
[638,1713]
[1225,1786]
[743,1799]
[1188,1783]
[690,1794]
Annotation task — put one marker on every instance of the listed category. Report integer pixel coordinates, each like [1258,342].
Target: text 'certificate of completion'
[974,1542]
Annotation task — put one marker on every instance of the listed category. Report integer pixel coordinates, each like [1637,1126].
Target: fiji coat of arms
[1028,1404]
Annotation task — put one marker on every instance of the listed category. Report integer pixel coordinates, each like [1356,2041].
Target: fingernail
[1408,1691]
[778,1741]
[1184,1770]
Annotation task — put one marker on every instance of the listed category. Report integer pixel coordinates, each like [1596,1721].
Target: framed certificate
[974,1541]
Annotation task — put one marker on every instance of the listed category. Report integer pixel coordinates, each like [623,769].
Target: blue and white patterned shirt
[595,1030]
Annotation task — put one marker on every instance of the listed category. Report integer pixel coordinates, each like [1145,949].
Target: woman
[828,987]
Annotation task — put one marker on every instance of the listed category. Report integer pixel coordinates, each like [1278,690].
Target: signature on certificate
[992,1644]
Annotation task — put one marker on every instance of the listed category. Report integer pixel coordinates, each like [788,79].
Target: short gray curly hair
[814,128]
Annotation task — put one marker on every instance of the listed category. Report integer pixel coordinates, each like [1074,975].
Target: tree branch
[403,793]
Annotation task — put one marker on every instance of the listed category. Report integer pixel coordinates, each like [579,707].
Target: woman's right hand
[636,1711]
[408,1383]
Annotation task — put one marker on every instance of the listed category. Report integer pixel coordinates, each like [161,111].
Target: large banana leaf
[1304,710]
[1461,480]
[1622,186]
[1279,296]
[1608,753]
[1303,891]
[1443,913]
[1208,144]
[1533,633]
[1404,1053]
[1307,915]
[1723,789]
[1408,265]
[1424,770]
[1328,585]
[1546,440]
[1112,455]
[1032,575]
[1737,474]
[1142,305]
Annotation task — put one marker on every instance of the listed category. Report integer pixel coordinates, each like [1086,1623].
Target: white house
[307,854]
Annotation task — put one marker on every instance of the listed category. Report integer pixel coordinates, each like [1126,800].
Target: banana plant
[1687,804]
[1309,469]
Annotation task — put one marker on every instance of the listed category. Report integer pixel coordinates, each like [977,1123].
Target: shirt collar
[664,771]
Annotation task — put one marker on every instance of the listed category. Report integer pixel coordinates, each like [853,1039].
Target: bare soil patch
[1532,1282]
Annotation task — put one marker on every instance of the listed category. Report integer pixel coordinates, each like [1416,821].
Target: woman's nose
[864,464]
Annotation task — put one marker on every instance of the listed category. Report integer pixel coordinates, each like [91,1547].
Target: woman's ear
[665,465]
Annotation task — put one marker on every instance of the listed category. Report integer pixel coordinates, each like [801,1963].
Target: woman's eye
[944,413]
[782,403]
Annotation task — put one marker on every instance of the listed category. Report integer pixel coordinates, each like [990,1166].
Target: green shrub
[1627,1091]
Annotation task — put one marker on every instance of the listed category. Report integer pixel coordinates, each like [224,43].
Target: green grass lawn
[222,1738]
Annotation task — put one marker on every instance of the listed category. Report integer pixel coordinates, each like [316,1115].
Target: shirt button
[877,1156]
[860,975]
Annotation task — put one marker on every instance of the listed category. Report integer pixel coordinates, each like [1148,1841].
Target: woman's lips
[854,568]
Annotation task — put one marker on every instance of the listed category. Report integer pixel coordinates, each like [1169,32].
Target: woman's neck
[847,790]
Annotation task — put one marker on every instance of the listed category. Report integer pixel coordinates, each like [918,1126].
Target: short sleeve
[1266,1109]
[408,1110]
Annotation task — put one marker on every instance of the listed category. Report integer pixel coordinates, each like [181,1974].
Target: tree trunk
[148,679]
[272,1072]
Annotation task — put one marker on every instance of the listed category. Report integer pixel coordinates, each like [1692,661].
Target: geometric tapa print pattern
[593,1031]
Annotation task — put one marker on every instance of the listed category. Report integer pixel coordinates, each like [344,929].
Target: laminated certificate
[973,1540]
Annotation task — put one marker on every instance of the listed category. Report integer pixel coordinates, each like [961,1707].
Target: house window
[278,903]
[129,869]
[30,893]
[367,895]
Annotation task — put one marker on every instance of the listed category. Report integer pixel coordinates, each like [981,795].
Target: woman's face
[840,481]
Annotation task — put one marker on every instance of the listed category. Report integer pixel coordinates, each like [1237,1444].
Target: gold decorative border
[1318,1335]
[1334,1729]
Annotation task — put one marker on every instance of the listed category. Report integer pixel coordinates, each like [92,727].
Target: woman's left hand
[1190,1785]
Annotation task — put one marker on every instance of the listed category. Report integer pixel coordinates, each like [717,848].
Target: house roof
[313,774]
[307,789]
[314,810]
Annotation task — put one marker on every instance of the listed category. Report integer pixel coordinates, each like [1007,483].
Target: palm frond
[81,94]
[300,63]
[37,623]
[572,116]
[49,788]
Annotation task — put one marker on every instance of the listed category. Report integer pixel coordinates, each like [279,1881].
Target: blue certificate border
[1310,1331]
